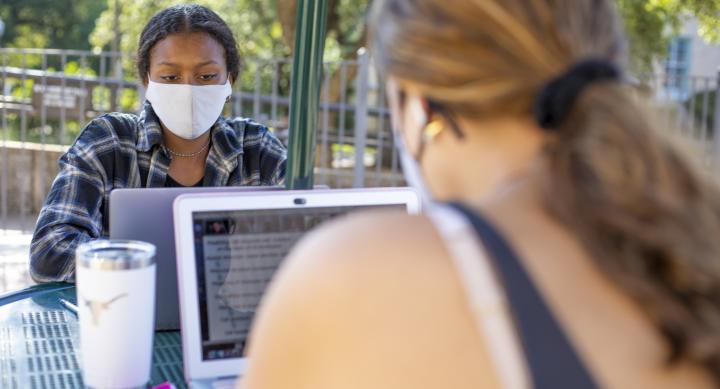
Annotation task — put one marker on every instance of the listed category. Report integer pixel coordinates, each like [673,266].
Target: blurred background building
[689,57]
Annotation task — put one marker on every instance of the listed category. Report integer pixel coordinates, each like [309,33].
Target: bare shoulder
[369,247]
[358,295]
[377,234]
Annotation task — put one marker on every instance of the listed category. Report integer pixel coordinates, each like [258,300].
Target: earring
[429,133]
[433,129]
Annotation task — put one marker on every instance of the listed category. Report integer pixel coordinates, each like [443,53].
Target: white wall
[705,57]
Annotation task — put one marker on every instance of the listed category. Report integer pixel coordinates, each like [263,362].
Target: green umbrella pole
[305,92]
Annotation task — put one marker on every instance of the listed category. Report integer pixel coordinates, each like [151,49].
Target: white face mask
[188,111]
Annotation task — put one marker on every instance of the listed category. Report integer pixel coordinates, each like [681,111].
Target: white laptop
[229,247]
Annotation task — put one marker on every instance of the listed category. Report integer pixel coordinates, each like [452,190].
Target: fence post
[361,113]
[716,125]
[305,92]
[4,171]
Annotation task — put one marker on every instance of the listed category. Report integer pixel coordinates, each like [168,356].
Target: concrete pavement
[14,249]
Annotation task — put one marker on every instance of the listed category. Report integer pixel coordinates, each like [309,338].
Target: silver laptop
[229,247]
[146,214]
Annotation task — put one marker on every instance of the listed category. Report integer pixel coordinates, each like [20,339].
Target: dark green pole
[305,92]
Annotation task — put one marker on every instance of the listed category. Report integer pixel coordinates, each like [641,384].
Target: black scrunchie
[556,99]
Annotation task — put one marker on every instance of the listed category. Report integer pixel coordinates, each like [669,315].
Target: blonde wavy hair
[645,213]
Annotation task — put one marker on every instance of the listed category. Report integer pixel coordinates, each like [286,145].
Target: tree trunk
[287,11]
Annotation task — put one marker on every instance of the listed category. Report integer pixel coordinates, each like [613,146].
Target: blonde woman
[581,250]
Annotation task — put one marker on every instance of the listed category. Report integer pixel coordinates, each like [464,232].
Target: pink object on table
[165,385]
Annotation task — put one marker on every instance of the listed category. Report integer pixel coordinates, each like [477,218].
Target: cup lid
[106,254]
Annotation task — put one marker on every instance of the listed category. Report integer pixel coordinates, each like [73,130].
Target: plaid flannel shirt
[120,150]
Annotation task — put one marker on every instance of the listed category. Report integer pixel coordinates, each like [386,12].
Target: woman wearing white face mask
[188,59]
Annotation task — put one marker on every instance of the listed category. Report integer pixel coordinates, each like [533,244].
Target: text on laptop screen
[237,253]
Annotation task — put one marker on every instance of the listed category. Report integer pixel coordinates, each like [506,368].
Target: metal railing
[689,107]
[47,96]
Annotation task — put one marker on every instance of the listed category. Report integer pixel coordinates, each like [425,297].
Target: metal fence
[689,107]
[47,96]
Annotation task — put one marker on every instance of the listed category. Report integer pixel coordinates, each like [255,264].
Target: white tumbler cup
[116,309]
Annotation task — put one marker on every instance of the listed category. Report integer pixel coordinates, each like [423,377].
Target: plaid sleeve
[273,158]
[264,156]
[72,212]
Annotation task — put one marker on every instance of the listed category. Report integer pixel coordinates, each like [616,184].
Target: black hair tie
[556,99]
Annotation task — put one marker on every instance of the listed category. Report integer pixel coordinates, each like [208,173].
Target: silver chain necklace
[188,155]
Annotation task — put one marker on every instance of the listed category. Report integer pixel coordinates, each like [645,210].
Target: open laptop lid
[239,241]
[147,214]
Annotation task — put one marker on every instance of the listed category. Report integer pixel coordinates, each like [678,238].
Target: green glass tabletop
[39,342]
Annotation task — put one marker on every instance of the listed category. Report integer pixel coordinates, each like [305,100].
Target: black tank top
[552,361]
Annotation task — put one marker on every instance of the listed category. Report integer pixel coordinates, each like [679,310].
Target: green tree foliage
[345,25]
[253,21]
[651,23]
[265,28]
[59,24]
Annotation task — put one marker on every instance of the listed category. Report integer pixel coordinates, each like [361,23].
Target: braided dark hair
[186,18]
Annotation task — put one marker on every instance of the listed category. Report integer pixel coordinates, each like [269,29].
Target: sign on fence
[55,97]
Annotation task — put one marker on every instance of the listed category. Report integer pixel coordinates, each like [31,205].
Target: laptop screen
[237,253]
